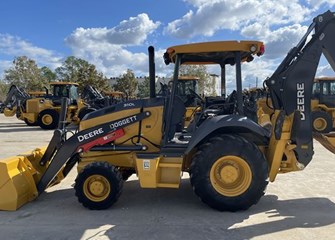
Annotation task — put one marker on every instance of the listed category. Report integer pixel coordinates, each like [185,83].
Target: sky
[115,35]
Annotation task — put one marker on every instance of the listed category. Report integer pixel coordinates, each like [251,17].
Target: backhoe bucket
[18,178]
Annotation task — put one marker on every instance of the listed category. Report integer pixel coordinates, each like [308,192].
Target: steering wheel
[196,95]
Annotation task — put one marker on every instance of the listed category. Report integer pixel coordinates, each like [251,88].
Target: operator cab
[220,53]
[324,91]
[64,89]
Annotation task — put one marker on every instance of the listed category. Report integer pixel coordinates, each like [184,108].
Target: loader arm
[60,151]
[290,86]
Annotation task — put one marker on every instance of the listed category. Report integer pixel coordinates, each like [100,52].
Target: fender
[228,124]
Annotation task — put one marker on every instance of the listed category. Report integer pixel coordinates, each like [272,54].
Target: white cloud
[15,46]
[277,42]
[324,71]
[276,22]
[133,31]
[212,16]
[317,3]
[106,47]
[3,66]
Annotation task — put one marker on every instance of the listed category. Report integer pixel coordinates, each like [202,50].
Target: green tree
[144,88]
[82,72]
[25,74]
[48,74]
[3,90]
[205,83]
[127,84]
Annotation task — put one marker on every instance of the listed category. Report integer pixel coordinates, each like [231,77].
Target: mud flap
[19,175]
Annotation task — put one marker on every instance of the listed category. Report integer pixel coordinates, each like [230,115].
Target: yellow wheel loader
[230,158]
[323,104]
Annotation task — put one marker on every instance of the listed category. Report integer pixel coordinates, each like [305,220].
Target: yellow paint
[159,172]
[230,176]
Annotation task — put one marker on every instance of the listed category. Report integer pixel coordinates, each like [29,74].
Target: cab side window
[332,88]
[316,90]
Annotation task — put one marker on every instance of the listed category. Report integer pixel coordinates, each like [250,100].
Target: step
[168,185]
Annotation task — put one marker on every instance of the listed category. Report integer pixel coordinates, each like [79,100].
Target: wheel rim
[230,176]
[320,124]
[47,119]
[96,188]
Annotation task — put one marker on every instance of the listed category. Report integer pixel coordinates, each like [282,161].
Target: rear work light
[261,50]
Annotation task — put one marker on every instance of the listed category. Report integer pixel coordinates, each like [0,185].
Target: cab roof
[324,79]
[221,52]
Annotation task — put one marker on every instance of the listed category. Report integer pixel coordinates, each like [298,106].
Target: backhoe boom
[291,84]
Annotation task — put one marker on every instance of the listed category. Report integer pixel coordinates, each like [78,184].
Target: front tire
[229,173]
[48,119]
[98,186]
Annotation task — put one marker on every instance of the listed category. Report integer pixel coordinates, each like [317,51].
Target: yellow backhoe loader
[43,110]
[230,158]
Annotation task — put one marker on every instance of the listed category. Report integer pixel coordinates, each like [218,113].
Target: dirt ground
[297,205]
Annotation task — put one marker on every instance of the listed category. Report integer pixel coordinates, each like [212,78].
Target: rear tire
[322,122]
[229,173]
[48,119]
[98,186]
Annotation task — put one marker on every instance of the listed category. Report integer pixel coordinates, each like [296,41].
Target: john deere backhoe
[43,110]
[230,158]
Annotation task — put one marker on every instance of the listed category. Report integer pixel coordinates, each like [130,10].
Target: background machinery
[323,104]
[230,158]
[43,110]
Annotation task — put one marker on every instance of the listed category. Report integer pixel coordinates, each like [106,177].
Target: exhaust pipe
[152,73]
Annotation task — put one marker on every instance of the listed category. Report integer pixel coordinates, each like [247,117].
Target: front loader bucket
[18,178]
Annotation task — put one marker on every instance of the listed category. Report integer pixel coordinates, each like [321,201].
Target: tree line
[26,74]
